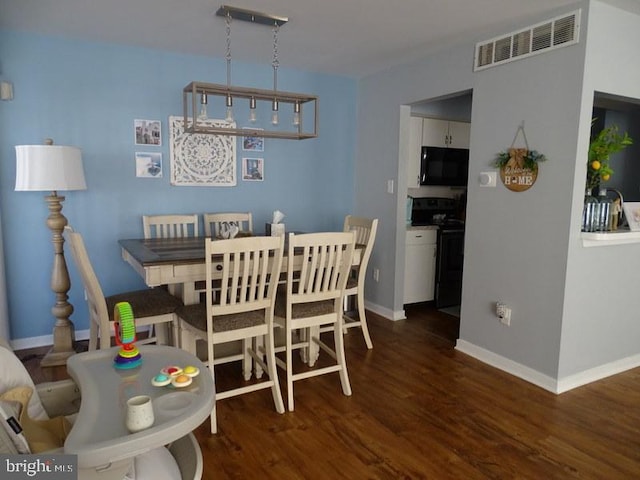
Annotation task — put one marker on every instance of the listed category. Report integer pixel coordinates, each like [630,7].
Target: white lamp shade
[49,168]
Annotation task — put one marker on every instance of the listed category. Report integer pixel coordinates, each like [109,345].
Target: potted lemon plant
[603,145]
[596,216]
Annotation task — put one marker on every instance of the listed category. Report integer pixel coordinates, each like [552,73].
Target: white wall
[379,119]
[600,321]
[521,248]
[516,242]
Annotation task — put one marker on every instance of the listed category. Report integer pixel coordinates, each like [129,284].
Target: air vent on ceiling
[558,32]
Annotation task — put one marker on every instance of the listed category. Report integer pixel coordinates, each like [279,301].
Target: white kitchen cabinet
[415,149]
[459,133]
[420,265]
[445,133]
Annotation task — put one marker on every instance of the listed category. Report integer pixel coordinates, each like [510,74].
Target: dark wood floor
[420,409]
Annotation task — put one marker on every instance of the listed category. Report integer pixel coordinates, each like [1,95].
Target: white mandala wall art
[201,159]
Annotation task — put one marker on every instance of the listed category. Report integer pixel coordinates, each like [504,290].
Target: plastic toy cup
[139,413]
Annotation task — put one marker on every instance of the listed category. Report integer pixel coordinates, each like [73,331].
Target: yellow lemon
[606,177]
[595,165]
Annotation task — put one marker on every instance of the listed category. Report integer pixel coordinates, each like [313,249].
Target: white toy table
[99,437]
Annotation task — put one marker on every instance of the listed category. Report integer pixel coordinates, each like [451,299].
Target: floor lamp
[54,168]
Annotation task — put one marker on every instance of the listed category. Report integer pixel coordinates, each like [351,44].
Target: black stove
[443,212]
[436,211]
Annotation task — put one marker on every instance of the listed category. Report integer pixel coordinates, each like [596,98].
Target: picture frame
[148,132]
[253,169]
[148,164]
[632,214]
[202,160]
[253,143]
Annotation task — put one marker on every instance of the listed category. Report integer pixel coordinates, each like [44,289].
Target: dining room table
[179,263]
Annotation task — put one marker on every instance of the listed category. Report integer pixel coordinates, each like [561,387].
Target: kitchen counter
[603,239]
[421,227]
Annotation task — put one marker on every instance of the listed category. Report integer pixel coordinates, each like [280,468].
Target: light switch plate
[390,186]
[487,179]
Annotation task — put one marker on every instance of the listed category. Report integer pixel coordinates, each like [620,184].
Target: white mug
[139,413]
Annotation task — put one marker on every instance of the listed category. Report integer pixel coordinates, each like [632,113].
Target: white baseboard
[385,312]
[544,381]
[42,341]
[514,368]
[597,373]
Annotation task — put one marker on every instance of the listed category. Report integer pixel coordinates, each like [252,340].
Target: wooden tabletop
[157,251]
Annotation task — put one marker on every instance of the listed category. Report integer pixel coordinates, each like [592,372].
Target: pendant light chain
[228,56]
[229,99]
[276,62]
[196,96]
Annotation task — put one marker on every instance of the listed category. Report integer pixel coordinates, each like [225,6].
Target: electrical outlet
[376,274]
[503,313]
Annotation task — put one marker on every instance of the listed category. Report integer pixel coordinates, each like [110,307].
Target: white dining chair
[218,224]
[246,271]
[170,226]
[312,298]
[151,306]
[365,230]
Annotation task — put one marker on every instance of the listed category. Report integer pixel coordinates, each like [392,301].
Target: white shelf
[605,239]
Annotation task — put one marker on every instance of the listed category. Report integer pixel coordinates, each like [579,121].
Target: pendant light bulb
[229,117]
[296,114]
[274,112]
[252,110]
[203,107]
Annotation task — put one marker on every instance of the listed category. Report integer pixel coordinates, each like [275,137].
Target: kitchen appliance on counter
[443,212]
[445,166]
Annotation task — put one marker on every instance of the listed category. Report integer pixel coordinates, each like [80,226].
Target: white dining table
[178,263]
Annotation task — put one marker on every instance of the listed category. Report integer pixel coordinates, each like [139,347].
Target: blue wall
[88,95]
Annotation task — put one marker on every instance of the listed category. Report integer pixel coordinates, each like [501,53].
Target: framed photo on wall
[253,169]
[148,165]
[148,132]
[253,144]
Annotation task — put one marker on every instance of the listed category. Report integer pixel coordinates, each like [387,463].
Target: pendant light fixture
[286,123]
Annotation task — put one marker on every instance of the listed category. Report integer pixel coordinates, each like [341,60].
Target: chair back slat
[244,267]
[170,226]
[365,230]
[326,261]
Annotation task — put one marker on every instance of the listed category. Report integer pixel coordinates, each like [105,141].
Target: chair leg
[341,358]
[187,341]
[258,348]
[93,336]
[176,333]
[246,359]
[273,373]
[160,332]
[363,320]
[289,358]
[210,359]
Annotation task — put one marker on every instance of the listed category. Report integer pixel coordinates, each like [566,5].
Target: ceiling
[344,37]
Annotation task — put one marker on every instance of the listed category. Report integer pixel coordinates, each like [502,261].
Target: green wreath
[531,159]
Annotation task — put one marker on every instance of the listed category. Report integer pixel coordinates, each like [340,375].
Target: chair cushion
[41,435]
[301,310]
[14,374]
[352,283]
[12,440]
[145,303]
[196,315]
